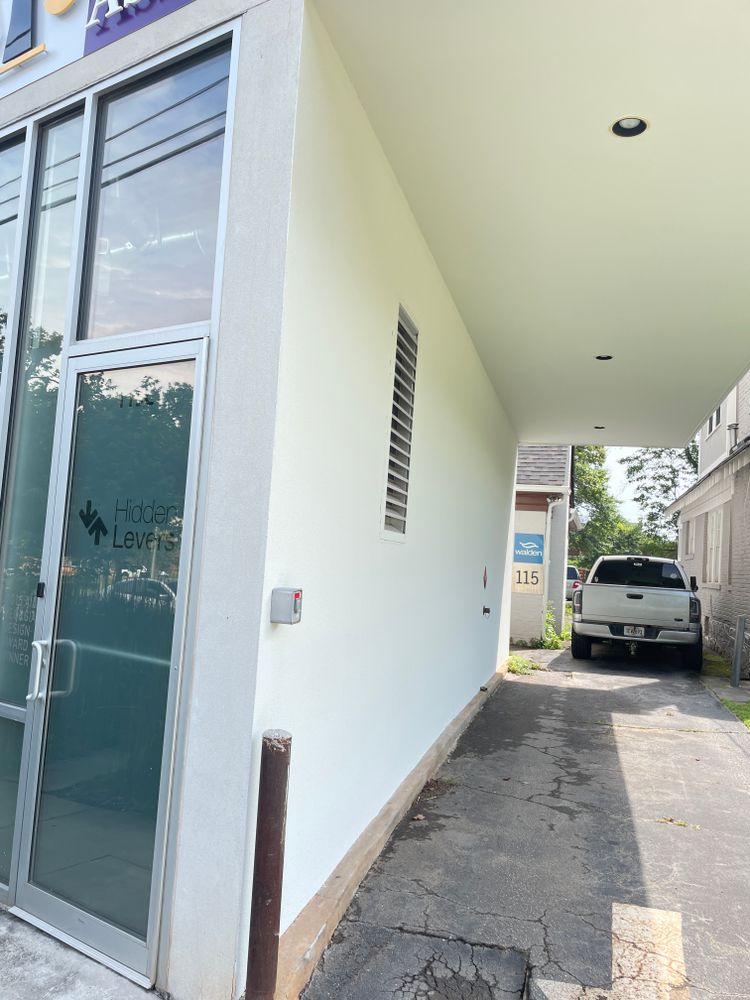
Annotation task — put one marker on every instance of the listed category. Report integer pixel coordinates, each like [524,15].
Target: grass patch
[715,665]
[739,708]
[677,822]
[567,629]
[521,665]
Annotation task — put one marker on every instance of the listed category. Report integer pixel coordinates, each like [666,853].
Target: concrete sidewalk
[580,795]
[37,967]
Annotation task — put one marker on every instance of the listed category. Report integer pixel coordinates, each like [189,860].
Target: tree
[659,476]
[605,531]
[595,503]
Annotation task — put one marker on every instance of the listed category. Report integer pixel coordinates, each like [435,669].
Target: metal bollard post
[265,916]
[739,643]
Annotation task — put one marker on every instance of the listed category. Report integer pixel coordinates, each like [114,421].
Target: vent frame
[404,373]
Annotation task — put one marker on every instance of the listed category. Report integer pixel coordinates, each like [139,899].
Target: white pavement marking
[648,961]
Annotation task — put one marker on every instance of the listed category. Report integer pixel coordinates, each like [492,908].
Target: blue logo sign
[528,548]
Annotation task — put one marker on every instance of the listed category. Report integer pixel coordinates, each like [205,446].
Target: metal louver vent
[402,422]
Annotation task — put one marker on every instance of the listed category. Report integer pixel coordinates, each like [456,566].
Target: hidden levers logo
[93,522]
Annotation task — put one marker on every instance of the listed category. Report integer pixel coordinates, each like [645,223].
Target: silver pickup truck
[638,600]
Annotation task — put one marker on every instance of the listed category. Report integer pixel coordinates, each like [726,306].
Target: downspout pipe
[551,505]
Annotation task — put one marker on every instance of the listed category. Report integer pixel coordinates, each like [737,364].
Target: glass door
[105,677]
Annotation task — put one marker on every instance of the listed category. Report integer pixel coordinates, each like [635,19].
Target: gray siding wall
[743,407]
[722,602]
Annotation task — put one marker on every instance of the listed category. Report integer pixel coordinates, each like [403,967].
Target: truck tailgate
[660,607]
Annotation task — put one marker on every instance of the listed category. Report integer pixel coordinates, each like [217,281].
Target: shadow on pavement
[588,784]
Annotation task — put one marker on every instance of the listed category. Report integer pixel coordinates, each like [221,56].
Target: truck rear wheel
[693,656]
[580,647]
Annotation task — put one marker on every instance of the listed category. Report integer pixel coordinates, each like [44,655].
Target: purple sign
[113,19]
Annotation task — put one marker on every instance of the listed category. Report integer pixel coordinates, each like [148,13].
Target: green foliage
[567,629]
[714,665]
[606,532]
[595,503]
[521,665]
[550,638]
[659,476]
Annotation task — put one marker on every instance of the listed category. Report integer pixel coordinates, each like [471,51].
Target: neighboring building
[714,521]
[543,514]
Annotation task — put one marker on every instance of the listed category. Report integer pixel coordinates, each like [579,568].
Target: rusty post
[265,915]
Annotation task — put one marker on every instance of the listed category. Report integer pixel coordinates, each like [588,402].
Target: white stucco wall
[393,642]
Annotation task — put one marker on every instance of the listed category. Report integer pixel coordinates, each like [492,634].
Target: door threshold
[97,956]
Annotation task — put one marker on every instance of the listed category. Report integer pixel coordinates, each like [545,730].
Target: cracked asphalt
[582,786]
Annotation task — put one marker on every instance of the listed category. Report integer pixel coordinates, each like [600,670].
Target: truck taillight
[578,600]
[695,611]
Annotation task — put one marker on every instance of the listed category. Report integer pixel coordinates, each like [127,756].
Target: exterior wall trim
[727,470]
[556,488]
[303,943]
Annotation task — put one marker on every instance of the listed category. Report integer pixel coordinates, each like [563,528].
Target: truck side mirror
[693,584]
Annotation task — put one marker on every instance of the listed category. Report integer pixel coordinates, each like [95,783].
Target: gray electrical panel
[286,605]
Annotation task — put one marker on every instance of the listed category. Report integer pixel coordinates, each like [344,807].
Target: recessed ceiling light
[604,357]
[626,127]
[599,427]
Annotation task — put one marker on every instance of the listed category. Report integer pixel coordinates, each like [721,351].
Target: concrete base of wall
[305,940]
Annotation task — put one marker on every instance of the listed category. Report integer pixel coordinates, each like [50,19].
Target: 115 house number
[528,579]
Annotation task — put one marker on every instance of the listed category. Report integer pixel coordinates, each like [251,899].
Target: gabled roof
[543,465]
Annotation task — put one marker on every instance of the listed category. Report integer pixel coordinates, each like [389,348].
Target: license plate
[634,631]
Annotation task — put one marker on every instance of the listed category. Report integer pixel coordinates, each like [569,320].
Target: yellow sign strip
[24,57]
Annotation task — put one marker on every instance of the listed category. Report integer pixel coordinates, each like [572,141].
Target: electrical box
[286,605]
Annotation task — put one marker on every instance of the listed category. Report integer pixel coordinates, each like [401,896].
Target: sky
[619,484]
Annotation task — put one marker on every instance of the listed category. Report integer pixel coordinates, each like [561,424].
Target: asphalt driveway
[579,799]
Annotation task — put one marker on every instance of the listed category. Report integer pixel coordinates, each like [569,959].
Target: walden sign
[106,21]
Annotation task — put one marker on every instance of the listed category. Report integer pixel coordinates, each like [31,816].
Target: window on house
[688,538]
[714,527]
[714,420]
[402,422]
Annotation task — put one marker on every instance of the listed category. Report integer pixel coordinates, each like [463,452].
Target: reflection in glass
[151,259]
[11,164]
[99,788]
[11,740]
[27,482]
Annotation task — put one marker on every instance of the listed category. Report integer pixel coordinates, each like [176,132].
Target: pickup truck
[638,600]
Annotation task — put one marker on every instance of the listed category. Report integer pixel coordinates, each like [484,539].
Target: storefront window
[28,475]
[11,163]
[152,241]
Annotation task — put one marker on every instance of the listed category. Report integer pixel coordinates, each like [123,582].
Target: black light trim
[619,129]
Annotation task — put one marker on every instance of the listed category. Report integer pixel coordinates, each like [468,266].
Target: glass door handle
[65,692]
[37,655]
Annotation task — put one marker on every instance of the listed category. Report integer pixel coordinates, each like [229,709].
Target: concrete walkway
[591,829]
[33,966]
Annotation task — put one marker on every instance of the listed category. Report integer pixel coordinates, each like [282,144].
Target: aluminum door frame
[108,944]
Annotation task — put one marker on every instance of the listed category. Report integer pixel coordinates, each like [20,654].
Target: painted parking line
[648,960]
